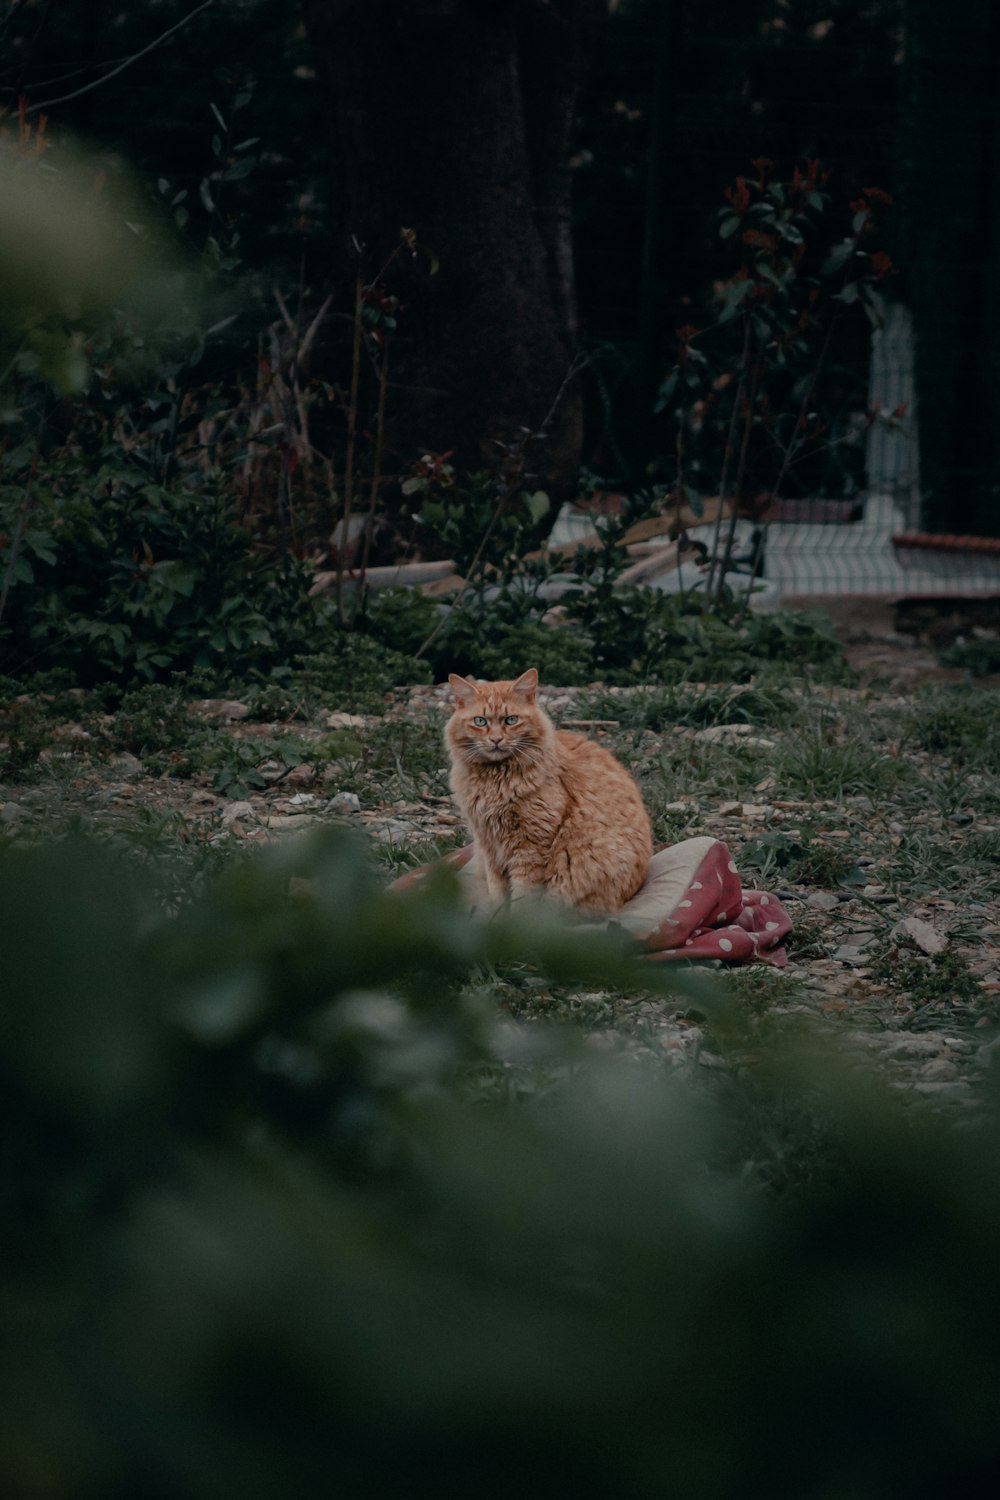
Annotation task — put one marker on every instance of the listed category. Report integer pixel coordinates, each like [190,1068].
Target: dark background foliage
[665,103]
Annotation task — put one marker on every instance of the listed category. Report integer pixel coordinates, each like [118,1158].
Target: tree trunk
[950,171]
[453,117]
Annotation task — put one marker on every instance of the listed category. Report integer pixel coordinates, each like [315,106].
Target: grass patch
[824,762]
[961,723]
[801,858]
[659,708]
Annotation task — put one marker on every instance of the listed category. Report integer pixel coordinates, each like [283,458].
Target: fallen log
[403,575]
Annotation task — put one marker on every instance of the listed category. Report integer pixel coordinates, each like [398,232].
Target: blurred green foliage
[287,1206]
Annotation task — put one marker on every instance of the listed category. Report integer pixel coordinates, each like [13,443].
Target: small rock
[928,1044]
[717,734]
[710,1060]
[298,776]
[127,764]
[67,732]
[234,811]
[302,799]
[731,809]
[288,822]
[220,708]
[939,1070]
[849,953]
[393,832]
[345,802]
[823,901]
[13,812]
[603,1041]
[927,938]
[340,720]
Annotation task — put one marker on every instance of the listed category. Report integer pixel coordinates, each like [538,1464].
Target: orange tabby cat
[549,810]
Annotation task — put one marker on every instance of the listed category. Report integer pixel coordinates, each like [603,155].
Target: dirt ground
[898,641]
[895,900]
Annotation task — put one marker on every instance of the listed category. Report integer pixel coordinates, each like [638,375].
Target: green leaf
[666,391]
[539,505]
[693,500]
[733,298]
[240,169]
[433,514]
[770,274]
[216,112]
[729,226]
[221,324]
[874,305]
[838,257]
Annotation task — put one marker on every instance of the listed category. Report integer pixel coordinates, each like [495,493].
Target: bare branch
[113,72]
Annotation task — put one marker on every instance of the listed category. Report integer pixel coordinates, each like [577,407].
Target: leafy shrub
[401,619]
[604,633]
[979,657]
[644,636]
[278,1181]
[357,674]
[150,720]
[25,731]
[117,577]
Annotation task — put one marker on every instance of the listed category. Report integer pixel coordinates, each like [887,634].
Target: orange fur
[549,810]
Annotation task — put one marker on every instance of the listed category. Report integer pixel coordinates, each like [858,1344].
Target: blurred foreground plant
[285,1205]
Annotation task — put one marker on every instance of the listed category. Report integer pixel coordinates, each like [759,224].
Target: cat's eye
[511,719]
[480,722]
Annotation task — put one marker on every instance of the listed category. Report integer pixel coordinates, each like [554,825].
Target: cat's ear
[463,689]
[526,685]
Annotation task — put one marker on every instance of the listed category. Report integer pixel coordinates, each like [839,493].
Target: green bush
[358,673]
[116,577]
[283,1199]
[979,657]
[603,634]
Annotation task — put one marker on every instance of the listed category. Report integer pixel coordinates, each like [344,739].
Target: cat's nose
[495,741]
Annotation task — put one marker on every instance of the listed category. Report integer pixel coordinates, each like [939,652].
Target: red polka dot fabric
[691,905]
